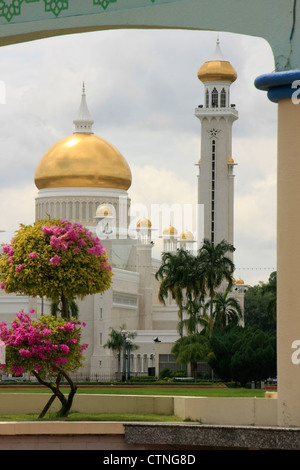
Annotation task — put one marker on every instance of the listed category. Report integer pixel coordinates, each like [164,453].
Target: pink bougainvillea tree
[57,259]
[48,348]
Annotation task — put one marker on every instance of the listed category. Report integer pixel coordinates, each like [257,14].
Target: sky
[142,90]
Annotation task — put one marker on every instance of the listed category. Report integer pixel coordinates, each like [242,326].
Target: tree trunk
[66,403]
[64,307]
[194,369]
[51,400]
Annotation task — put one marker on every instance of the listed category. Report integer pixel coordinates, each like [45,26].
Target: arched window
[83,210]
[207,99]
[57,210]
[70,215]
[223,99]
[77,210]
[91,210]
[63,210]
[214,98]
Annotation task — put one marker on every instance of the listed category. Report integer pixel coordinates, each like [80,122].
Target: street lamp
[124,334]
[128,341]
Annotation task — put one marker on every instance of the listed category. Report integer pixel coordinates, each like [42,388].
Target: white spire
[218,53]
[84,120]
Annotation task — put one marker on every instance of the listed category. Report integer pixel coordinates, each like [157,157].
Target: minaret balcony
[230,111]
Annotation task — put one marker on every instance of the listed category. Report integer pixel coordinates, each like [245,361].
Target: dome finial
[218,55]
[84,120]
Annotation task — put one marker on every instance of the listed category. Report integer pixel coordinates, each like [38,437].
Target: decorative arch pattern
[9,9]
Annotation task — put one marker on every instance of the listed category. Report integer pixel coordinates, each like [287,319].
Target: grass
[76,416]
[155,390]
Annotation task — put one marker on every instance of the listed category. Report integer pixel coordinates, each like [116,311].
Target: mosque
[85,179]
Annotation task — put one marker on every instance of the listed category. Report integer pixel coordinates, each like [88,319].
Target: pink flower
[55,260]
[17,370]
[19,267]
[61,360]
[72,341]
[9,260]
[33,255]
[64,348]
[46,332]
[2,285]
[25,352]
[8,249]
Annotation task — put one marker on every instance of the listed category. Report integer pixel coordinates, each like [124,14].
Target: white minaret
[216,178]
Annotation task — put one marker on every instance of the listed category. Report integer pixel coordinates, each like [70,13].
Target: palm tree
[227,310]
[196,313]
[178,276]
[191,349]
[115,343]
[215,266]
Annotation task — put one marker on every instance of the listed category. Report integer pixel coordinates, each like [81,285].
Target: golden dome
[187,235]
[230,160]
[144,223]
[83,160]
[240,281]
[103,211]
[170,231]
[217,69]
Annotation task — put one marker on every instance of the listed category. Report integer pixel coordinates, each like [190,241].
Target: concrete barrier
[215,411]
[227,411]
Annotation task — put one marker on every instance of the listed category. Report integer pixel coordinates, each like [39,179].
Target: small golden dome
[187,235]
[217,69]
[233,279]
[240,281]
[83,160]
[230,160]
[170,231]
[144,223]
[103,211]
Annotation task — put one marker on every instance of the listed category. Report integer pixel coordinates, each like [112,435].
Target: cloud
[17,206]
[142,89]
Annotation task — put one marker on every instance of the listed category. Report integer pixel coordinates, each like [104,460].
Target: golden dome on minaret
[217,69]
[83,160]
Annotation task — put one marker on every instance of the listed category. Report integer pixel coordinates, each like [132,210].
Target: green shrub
[165,373]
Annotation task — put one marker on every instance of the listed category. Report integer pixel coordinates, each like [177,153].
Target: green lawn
[155,390]
[75,416]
